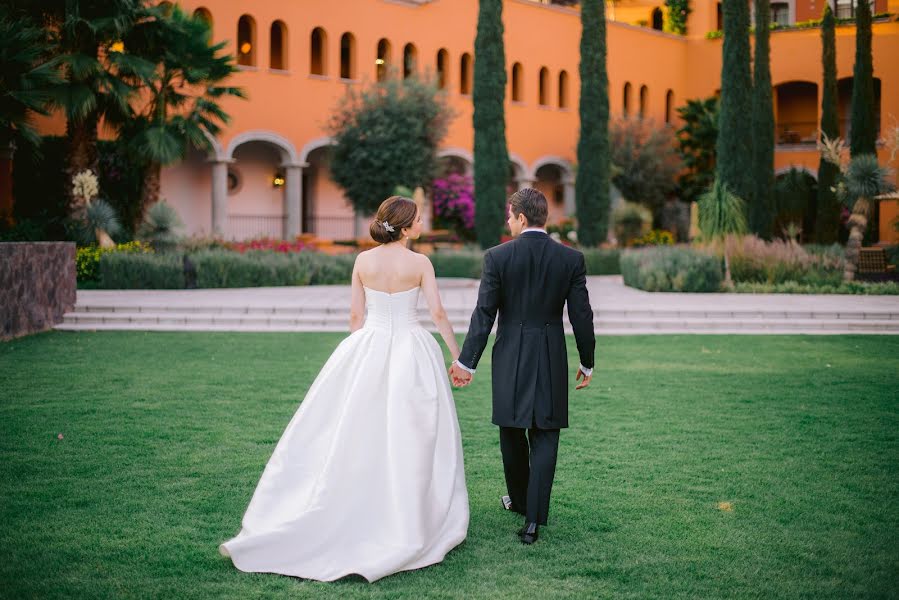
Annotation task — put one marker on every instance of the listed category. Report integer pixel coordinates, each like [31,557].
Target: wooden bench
[873,265]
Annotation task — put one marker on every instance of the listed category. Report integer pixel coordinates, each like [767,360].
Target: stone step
[167,321]
[465,313]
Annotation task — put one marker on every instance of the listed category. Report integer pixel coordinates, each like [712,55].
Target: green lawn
[166,434]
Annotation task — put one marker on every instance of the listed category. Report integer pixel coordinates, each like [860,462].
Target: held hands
[586,379]
[459,377]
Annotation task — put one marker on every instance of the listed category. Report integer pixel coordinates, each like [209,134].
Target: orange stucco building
[297,59]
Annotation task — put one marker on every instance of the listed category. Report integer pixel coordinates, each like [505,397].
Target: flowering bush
[268,244]
[565,231]
[454,204]
[87,258]
[656,237]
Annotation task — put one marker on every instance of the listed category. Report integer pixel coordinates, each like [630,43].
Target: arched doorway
[256,188]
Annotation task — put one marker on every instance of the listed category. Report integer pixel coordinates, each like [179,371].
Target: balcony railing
[245,227]
[797,132]
[332,227]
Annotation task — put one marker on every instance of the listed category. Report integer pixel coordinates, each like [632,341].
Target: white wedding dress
[368,477]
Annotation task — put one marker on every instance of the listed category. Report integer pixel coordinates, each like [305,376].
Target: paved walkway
[617,309]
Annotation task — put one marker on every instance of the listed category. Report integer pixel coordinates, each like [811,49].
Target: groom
[528,281]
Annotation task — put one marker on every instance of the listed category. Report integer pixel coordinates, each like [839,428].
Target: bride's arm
[438,313]
[357,300]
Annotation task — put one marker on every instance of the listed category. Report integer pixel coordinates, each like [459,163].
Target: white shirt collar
[540,229]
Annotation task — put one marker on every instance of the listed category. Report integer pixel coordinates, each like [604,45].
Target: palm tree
[182,94]
[722,213]
[860,182]
[26,78]
[96,78]
[865,179]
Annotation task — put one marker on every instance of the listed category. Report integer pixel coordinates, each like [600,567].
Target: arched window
[465,74]
[644,100]
[278,56]
[410,60]
[657,20]
[543,95]
[669,105]
[246,41]
[318,41]
[516,82]
[382,62]
[347,56]
[563,89]
[203,13]
[626,103]
[442,69]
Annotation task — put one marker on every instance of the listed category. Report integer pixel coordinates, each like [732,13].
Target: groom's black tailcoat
[527,281]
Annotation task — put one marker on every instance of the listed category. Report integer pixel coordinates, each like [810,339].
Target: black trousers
[529,462]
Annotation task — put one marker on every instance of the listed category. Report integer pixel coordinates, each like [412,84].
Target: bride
[368,478]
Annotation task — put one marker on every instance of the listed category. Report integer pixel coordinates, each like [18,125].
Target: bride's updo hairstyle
[394,213]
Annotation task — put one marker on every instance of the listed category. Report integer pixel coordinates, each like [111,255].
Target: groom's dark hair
[532,204]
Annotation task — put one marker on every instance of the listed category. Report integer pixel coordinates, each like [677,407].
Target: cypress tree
[491,157]
[762,125]
[734,147]
[592,180]
[828,220]
[863,135]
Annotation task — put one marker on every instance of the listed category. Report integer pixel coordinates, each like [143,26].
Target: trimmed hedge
[467,263]
[132,271]
[602,261]
[671,269]
[224,269]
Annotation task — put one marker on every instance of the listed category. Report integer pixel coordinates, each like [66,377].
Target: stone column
[569,203]
[220,196]
[293,199]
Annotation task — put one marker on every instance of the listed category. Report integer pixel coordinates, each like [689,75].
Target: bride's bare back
[390,268]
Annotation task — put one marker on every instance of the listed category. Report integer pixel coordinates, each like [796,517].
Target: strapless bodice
[396,311]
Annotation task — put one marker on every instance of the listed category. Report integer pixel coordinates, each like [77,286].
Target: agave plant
[160,227]
[865,179]
[721,214]
[97,223]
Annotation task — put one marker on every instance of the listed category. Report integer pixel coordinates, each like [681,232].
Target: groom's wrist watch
[463,367]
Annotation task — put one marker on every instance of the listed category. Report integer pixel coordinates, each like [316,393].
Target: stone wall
[37,286]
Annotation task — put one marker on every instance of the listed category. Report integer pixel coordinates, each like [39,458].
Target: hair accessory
[388,226]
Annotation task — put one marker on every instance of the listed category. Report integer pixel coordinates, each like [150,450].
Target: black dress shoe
[529,533]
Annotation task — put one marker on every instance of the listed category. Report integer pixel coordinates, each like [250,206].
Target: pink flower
[59,437]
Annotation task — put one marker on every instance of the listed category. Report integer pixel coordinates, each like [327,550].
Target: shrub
[602,261]
[843,287]
[630,220]
[225,269]
[454,204]
[671,269]
[141,271]
[329,270]
[458,263]
[779,261]
[87,258]
[656,237]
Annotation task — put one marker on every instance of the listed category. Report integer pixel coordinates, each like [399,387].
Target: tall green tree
[827,224]
[734,146]
[592,180]
[696,141]
[180,99]
[863,129]
[386,135]
[760,207]
[491,156]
